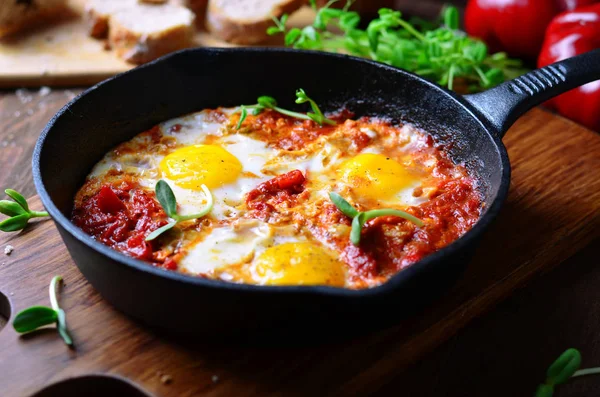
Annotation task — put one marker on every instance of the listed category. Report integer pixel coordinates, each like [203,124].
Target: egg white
[239,242]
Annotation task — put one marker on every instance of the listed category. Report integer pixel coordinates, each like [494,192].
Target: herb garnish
[18,211]
[35,317]
[167,200]
[360,218]
[565,367]
[267,102]
[441,53]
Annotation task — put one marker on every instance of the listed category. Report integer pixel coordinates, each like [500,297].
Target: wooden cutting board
[63,54]
[553,211]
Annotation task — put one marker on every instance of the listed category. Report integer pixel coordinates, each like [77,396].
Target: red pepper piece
[514,26]
[291,181]
[572,33]
[109,202]
[139,248]
[170,264]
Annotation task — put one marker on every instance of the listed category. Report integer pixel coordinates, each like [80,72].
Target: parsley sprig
[565,367]
[18,211]
[167,200]
[442,53]
[360,218]
[35,317]
[267,102]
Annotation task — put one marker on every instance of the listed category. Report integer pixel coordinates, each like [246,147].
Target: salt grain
[44,91]
[24,96]
[17,114]
[8,249]
[215,378]
[166,379]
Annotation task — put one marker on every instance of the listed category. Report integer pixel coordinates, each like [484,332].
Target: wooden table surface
[503,353]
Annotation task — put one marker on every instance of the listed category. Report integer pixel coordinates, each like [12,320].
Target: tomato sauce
[118,212]
[121,216]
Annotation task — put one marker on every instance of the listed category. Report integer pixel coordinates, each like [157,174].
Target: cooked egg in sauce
[273,222]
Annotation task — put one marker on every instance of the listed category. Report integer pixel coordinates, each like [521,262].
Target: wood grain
[552,212]
[22,117]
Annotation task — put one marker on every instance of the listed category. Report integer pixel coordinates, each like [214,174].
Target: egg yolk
[193,166]
[298,264]
[375,176]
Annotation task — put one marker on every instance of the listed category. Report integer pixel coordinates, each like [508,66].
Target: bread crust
[97,23]
[137,48]
[21,17]
[245,32]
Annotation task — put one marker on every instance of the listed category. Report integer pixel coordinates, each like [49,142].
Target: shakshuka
[273,221]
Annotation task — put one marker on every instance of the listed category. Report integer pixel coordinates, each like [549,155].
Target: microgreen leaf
[564,367]
[273,30]
[18,197]
[166,198]
[345,207]
[38,316]
[169,198]
[10,208]
[292,36]
[357,224]
[243,115]
[161,230]
[440,51]
[360,218]
[15,223]
[33,318]
[451,17]
[18,210]
[268,102]
[206,210]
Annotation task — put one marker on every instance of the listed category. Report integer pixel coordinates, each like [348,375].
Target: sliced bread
[98,12]
[143,32]
[18,15]
[246,21]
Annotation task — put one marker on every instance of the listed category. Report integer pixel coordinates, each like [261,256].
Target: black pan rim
[393,283]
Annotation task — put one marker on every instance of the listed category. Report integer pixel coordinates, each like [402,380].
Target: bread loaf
[246,21]
[98,12]
[142,33]
[18,15]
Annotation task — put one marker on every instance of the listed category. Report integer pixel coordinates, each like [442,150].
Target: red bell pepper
[514,26]
[569,34]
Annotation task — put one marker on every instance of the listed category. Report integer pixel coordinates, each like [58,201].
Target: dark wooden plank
[551,214]
[23,114]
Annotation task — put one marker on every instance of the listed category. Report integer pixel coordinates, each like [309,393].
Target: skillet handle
[501,106]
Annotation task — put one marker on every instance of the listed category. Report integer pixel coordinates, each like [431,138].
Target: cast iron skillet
[121,107]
